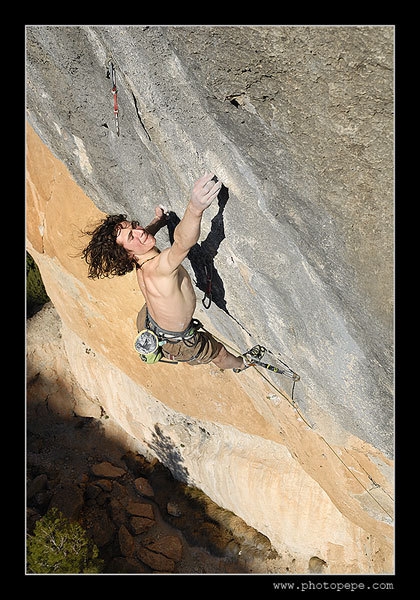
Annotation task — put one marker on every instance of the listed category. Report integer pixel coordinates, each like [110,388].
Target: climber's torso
[170,299]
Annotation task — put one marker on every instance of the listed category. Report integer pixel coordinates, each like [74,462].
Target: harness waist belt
[172,336]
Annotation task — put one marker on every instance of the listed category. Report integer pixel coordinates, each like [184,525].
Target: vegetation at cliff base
[61,546]
[36,296]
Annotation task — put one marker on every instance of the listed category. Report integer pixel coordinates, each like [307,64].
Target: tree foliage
[61,546]
[36,296]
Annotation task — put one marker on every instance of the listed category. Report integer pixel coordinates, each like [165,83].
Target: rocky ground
[141,519]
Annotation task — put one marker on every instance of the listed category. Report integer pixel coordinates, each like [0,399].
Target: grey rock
[298,124]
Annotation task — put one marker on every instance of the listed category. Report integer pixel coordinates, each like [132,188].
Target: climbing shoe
[251,356]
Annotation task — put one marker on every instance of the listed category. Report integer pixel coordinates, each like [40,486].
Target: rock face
[297,123]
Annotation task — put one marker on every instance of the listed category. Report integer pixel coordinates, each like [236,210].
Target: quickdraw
[111,74]
[207,299]
[253,358]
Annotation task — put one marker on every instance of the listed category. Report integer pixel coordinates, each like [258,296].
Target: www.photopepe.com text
[338,586]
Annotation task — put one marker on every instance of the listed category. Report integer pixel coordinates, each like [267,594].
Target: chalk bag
[148,346]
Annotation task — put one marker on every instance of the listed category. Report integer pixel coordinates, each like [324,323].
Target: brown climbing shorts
[201,349]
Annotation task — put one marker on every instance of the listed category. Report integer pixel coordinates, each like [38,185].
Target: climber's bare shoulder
[170,260]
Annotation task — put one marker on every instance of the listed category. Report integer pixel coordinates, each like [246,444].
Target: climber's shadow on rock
[202,255]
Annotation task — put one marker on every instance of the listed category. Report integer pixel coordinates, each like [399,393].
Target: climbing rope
[257,351]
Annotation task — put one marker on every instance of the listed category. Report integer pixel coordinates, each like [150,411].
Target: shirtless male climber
[117,246]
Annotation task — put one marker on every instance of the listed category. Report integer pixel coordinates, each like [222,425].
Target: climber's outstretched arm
[187,232]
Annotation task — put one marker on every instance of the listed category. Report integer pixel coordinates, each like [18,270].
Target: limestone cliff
[297,123]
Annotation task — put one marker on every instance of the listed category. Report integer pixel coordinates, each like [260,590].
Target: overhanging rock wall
[306,155]
[298,123]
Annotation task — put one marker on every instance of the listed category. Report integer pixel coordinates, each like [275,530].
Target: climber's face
[134,238]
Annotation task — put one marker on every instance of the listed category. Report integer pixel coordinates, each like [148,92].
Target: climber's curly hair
[106,258]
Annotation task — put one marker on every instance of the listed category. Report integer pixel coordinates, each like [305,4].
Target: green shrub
[61,546]
[36,296]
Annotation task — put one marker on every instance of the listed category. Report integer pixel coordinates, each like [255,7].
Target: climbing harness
[111,74]
[148,342]
[207,299]
[173,337]
[253,357]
